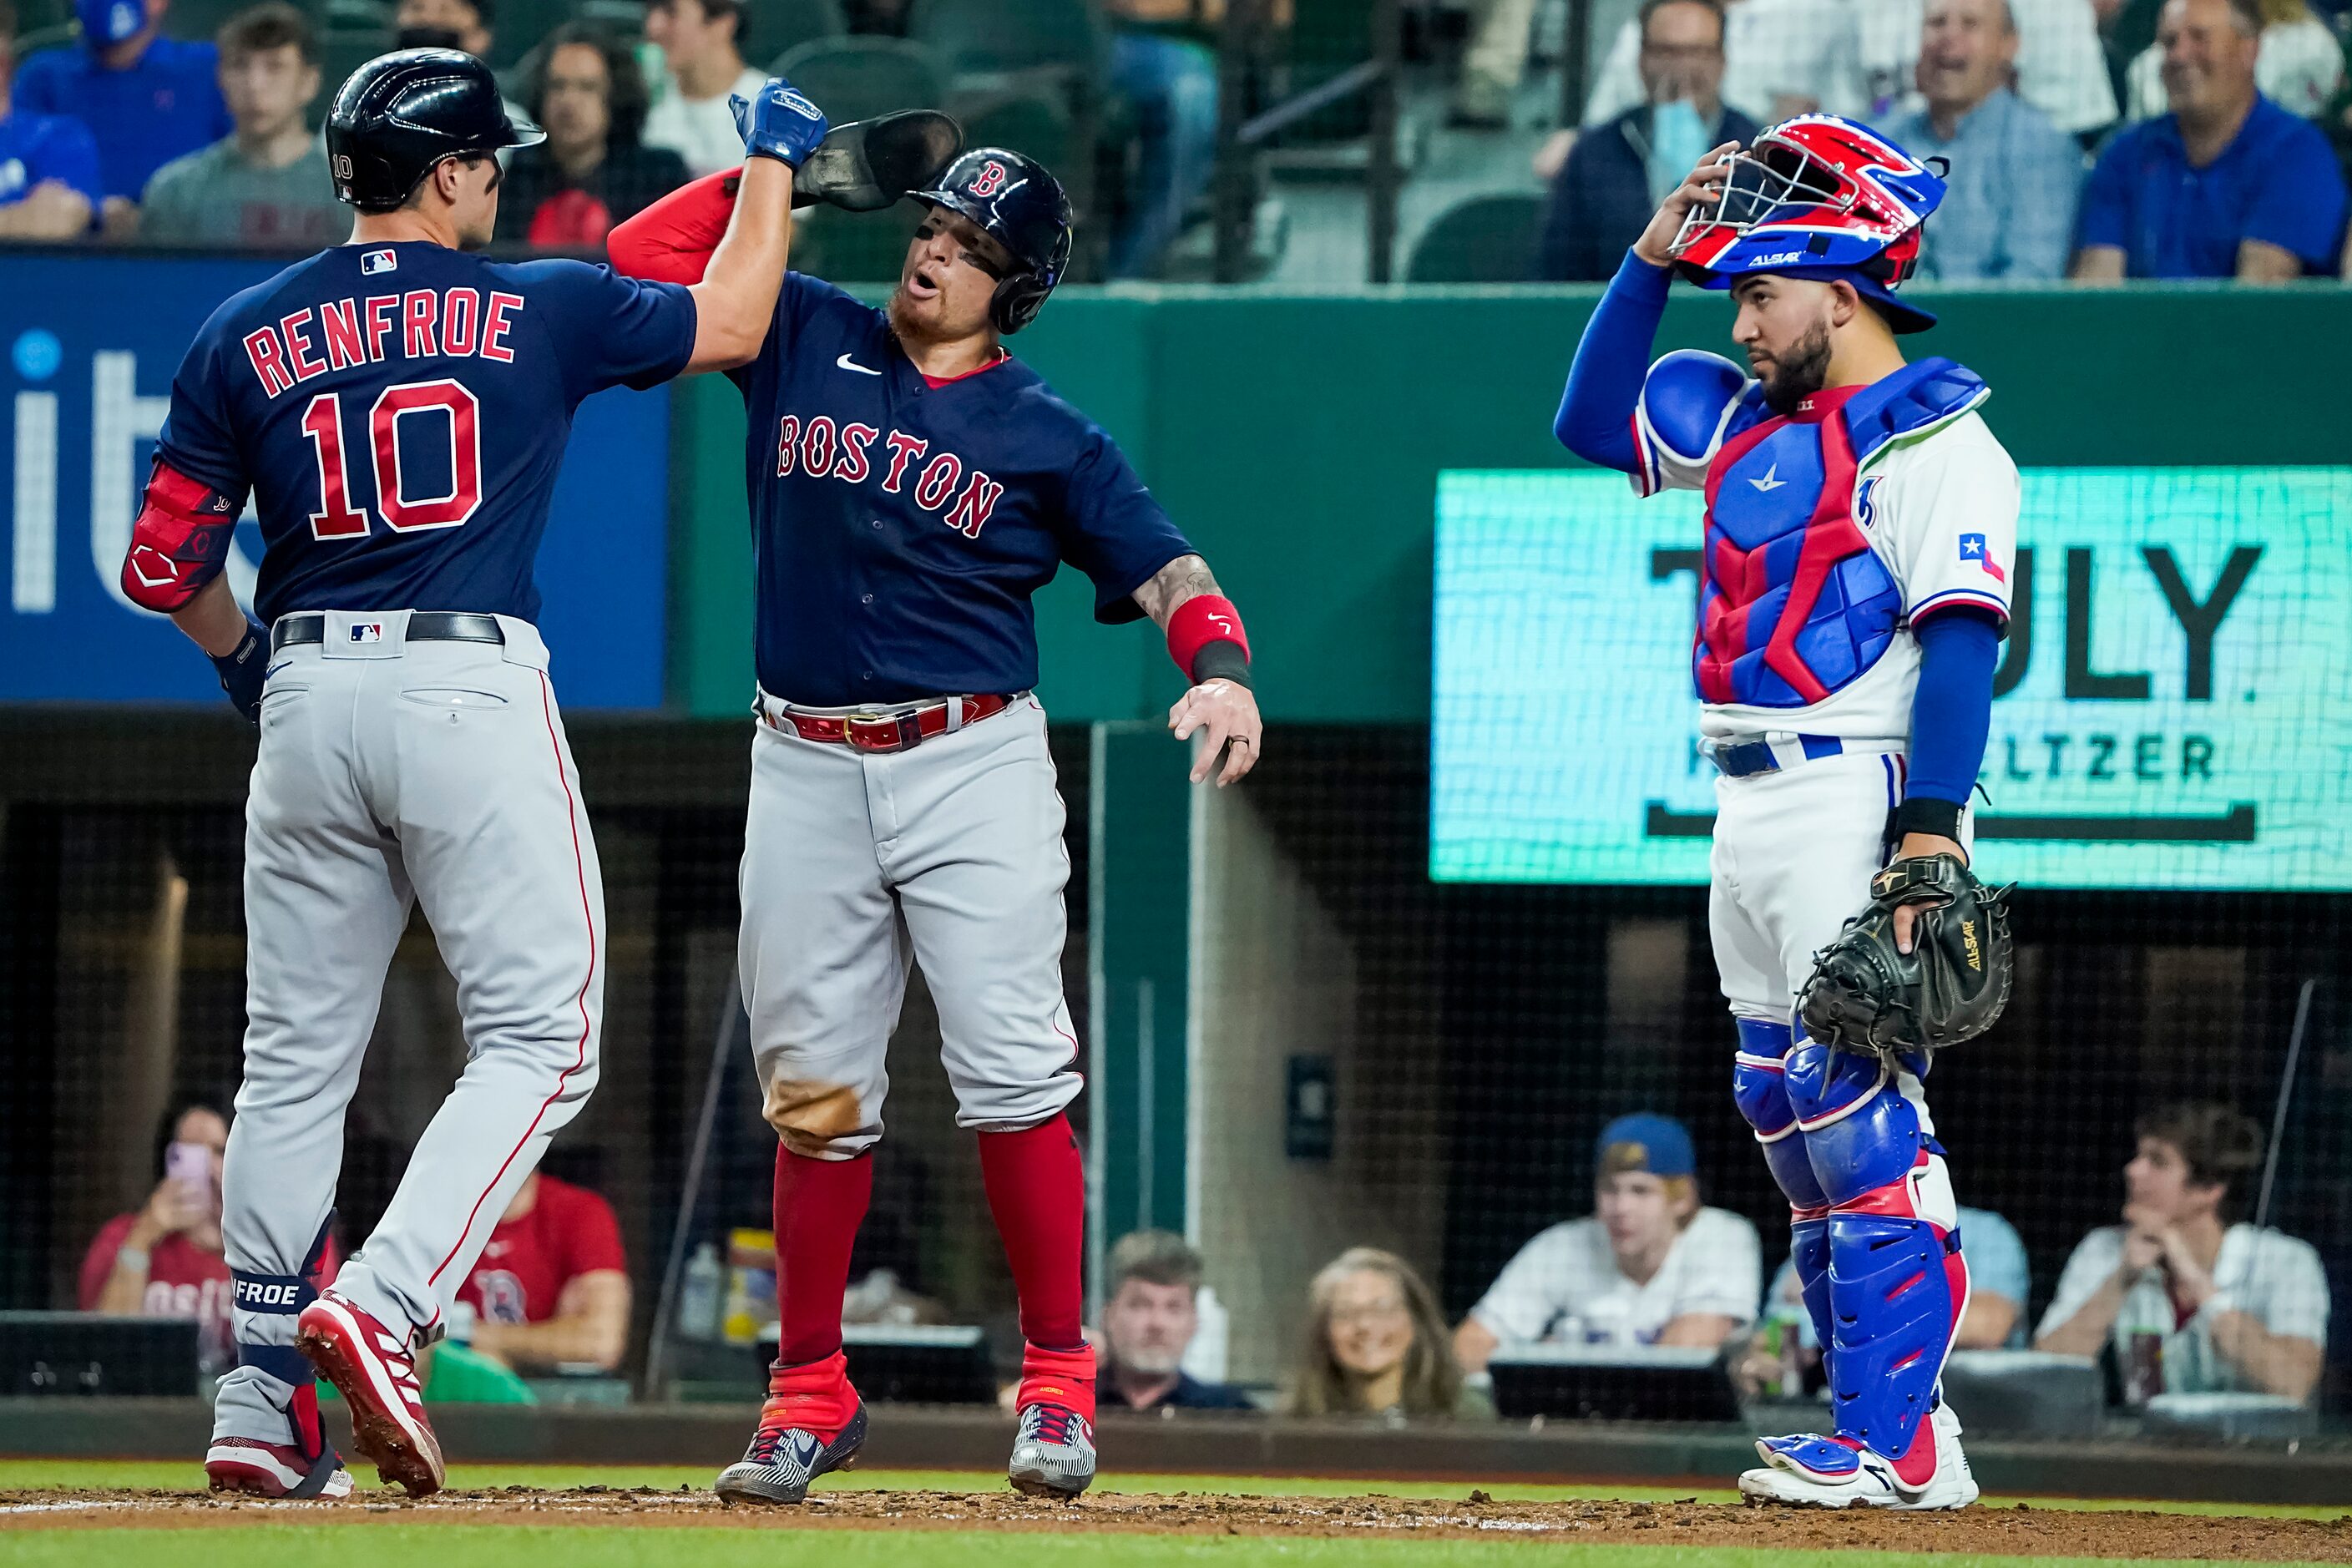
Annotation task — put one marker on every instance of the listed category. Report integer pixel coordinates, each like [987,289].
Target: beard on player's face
[1796,372]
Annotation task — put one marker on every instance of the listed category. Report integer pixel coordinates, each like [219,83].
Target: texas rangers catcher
[1861,519]
[912,484]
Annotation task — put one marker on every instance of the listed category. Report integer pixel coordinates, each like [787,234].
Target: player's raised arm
[1206,640]
[1604,384]
[736,297]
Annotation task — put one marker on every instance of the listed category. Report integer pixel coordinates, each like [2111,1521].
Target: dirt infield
[2020,1531]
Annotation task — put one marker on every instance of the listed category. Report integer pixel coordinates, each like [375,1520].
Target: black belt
[424,626]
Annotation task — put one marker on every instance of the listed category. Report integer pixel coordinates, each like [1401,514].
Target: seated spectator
[265,184]
[2000,1283]
[1161,64]
[145,98]
[1149,1322]
[592,172]
[550,1289]
[1649,1267]
[1855,57]
[702,54]
[2009,211]
[2299,67]
[1376,1346]
[461,24]
[49,164]
[2224,1307]
[165,1260]
[1619,172]
[2227,185]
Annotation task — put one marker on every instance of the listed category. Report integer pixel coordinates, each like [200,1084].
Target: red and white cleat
[377,1370]
[307,1467]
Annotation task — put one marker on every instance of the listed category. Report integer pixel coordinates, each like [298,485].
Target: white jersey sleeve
[2092,1264]
[1724,1267]
[1539,1286]
[1942,513]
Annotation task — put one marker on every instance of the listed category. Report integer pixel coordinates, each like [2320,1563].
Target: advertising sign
[87,348]
[2170,707]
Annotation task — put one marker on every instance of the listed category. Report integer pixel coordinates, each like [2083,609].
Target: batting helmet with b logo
[400,114]
[1017,204]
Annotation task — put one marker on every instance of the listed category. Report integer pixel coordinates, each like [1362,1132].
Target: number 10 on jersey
[322,422]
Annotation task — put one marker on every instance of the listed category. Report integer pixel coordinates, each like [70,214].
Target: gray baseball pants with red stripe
[393,773]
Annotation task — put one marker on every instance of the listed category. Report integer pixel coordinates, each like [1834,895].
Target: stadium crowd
[2181,1296]
[2210,152]
[2099,139]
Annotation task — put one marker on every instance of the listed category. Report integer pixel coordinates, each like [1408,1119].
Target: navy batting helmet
[400,114]
[1023,208]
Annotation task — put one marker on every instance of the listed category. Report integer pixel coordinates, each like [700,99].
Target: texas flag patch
[1972,547]
[374,261]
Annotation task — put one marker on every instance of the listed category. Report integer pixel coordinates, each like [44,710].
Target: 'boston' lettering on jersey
[823,450]
[421,323]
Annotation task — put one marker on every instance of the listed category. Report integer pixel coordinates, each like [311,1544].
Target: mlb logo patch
[367,631]
[374,261]
[1973,548]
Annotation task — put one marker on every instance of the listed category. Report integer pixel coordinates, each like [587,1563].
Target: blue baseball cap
[1645,1141]
[105,22]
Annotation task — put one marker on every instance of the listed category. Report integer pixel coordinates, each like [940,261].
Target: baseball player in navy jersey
[398,410]
[1861,520]
[911,485]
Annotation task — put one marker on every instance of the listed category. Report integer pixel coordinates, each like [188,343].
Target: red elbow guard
[672,240]
[1198,621]
[179,543]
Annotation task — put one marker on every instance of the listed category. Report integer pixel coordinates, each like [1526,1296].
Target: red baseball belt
[896,728]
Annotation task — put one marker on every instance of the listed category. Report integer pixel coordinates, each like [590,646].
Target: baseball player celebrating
[912,485]
[399,409]
[1854,584]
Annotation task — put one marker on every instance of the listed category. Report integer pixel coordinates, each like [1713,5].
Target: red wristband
[1200,621]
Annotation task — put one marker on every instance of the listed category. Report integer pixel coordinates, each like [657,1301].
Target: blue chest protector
[1794,606]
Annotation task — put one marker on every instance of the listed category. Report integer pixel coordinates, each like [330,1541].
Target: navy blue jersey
[401,411]
[900,528]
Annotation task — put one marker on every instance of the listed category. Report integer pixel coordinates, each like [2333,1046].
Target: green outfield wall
[1297,439]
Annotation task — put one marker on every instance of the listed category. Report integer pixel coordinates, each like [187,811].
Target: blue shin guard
[1758,1083]
[1896,1284]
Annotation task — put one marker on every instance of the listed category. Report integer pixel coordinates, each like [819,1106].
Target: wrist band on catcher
[1926,814]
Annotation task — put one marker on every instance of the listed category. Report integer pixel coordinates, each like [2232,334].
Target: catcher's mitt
[1866,996]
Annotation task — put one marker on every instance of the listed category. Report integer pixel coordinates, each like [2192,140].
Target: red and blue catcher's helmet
[1818,196]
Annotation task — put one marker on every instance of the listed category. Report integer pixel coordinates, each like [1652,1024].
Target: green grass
[18,1475]
[500,1546]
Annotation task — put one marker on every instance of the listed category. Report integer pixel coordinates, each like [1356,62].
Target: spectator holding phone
[165,1260]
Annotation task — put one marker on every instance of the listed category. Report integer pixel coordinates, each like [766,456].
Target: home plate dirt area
[2017,1531]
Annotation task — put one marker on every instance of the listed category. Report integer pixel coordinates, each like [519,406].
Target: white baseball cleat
[1828,1472]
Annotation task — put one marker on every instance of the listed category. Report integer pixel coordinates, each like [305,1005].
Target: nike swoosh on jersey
[846,363]
[1772,480]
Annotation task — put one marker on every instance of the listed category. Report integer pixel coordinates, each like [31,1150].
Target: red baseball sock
[819,1205]
[1037,1192]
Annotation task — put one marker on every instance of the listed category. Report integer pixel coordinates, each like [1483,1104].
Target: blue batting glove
[242,672]
[779,123]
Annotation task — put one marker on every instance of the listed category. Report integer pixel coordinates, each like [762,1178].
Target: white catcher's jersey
[1939,511]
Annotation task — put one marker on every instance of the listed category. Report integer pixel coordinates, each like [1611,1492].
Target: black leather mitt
[1866,996]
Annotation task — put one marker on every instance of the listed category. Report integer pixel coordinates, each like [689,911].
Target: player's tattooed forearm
[1186,577]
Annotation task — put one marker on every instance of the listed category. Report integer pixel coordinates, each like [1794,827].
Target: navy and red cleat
[377,1370]
[812,1423]
[307,1467]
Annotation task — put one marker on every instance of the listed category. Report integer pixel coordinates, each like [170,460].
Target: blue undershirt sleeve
[1596,412]
[1952,712]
